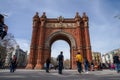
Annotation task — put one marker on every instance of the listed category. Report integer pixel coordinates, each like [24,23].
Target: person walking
[79,61]
[92,66]
[60,60]
[11,65]
[15,62]
[47,65]
[116,61]
[86,64]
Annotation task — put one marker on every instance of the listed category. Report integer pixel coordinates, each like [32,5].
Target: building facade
[96,57]
[108,57]
[47,30]
[20,54]
[21,57]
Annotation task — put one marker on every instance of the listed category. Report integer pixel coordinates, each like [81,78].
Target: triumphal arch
[47,30]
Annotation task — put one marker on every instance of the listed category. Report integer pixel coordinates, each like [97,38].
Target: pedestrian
[100,66]
[60,60]
[14,58]
[116,61]
[3,27]
[15,62]
[11,65]
[92,66]
[47,65]
[86,65]
[112,66]
[79,61]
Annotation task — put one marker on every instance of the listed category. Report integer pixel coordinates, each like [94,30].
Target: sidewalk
[106,71]
[23,74]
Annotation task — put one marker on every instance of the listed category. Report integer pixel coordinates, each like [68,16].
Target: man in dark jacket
[117,62]
[11,65]
[60,60]
[86,64]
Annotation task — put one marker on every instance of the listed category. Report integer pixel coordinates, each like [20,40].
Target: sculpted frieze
[60,25]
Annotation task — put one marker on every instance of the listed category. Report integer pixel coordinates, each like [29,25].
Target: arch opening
[68,38]
[58,46]
[60,36]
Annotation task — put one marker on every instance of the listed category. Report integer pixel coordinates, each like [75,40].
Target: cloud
[105,37]
[104,28]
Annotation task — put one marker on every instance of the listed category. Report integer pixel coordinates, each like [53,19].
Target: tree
[8,43]
[67,64]
[54,61]
[2,52]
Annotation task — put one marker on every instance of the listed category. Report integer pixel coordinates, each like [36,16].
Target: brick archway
[60,35]
[47,30]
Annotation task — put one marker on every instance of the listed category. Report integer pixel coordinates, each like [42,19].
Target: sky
[103,25]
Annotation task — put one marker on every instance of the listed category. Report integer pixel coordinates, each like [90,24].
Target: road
[22,74]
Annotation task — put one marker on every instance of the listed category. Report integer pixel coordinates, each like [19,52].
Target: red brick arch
[60,35]
[47,30]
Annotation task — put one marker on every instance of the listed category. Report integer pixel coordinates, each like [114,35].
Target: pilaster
[40,56]
[87,37]
[30,64]
[79,41]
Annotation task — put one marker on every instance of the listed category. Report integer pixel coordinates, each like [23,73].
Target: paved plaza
[22,74]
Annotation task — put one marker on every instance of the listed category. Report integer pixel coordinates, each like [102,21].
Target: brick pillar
[87,38]
[83,39]
[30,64]
[46,54]
[79,37]
[40,56]
[73,60]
